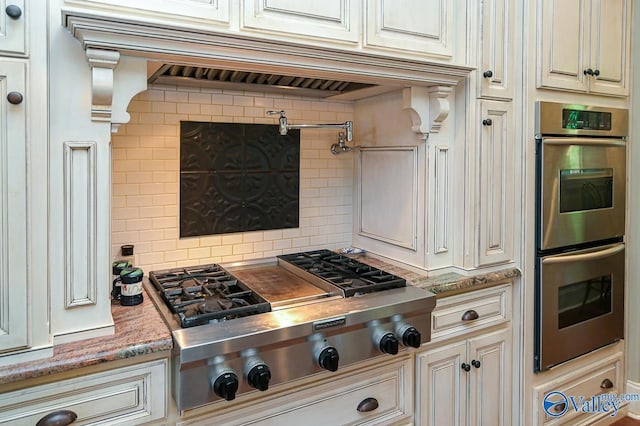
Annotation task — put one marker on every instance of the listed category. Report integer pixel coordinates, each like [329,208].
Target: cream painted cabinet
[497,183]
[336,20]
[496,46]
[127,395]
[13,205]
[464,374]
[379,393]
[13,30]
[467,382]
[584,46]
[424,27]
[211,11]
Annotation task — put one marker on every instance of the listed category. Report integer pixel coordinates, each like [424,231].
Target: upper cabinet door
[208,10]
[610,46]
[416,26]
[336,20]
[13,28]
[496,43]
[584,46]
[562,40]
[13,206]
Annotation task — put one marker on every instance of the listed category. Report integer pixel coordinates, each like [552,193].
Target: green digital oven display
[586,120]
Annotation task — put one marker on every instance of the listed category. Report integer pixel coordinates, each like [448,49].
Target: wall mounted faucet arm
[285,126]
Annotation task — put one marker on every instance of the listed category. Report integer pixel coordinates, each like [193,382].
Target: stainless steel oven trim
[549,120]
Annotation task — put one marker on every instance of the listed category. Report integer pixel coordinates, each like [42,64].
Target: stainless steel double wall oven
[580,223]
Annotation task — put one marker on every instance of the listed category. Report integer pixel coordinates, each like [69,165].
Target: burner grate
[353,277]
[202,294]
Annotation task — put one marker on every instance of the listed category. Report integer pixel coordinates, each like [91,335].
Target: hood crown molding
[236,51]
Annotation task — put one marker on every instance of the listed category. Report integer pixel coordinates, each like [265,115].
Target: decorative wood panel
[419,26]
[329,19]
[238,177]
[388,195]
[80,199]
[496,187]
[13,209]
[441,200]
[12,31]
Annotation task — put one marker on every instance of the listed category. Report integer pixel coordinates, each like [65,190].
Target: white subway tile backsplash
[145,180]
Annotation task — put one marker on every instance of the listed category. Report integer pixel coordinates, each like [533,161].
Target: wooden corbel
[428,106]
[102,63]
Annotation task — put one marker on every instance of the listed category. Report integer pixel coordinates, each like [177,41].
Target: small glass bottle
[131,293]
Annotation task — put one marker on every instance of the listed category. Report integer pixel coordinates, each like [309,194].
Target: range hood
[221,78]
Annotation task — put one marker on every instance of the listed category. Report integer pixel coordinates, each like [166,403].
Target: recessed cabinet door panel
[12,29]
[496,49]
[13,208]
[420,26]
[329,19]
[209,10]
[562,39]
[490,379]
[442,394]
[610,46]
[496,187]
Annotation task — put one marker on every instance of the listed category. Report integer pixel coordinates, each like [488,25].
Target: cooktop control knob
[329,358]
[389,343]
[258,377]
[226,385]
[409,335]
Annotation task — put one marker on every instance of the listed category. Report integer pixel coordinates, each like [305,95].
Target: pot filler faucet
[336,148]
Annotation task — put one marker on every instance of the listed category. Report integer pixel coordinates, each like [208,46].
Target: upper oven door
[582,190]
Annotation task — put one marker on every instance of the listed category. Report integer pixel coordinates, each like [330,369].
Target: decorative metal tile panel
[237,177]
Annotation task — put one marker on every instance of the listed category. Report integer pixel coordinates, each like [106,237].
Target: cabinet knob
[58,418]
[560,407]
[470,315]
[487,122]
[475,363]
[487,74]
[606,384]
[368,404]
[596,72]
[13,11]
[465,366]
[588,71]
[15,98]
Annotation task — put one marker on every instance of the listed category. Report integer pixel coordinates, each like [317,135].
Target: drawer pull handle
[606,384]
[470,315]
[368,404]
[58,418]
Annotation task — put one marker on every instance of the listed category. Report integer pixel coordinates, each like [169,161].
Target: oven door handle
[584,141]
[594,255]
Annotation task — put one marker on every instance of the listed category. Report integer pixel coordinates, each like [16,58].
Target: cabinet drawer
[13,29]
[603,377]
[330,402]
[457,315]
[128,395]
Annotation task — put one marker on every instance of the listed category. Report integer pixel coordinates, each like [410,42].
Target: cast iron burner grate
[202,294]
[353,277]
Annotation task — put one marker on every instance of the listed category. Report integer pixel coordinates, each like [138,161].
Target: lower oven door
[579,303]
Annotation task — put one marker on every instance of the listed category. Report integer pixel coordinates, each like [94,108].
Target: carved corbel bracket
[102,63]
[428,106]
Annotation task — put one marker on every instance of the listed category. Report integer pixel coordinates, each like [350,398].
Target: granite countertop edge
[139,330]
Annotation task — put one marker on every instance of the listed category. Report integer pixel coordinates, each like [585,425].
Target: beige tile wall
[145,178]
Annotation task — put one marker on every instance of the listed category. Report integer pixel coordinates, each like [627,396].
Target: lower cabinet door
[128,395]
[442,394]
[490,379]
[376,396]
